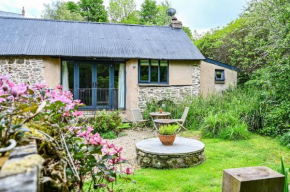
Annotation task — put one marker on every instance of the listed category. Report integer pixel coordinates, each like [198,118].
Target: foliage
[148,12]
[60,10]
[188,32]
[95,159]
[162,19]
[93,10]
[274,82]
[255,40]
[285,140]
[243,105]
[104,122]
[72,152]
[224,126]
[168,129]
[220,154]
[109,135]
[283,170]
[258,43]
[122,10]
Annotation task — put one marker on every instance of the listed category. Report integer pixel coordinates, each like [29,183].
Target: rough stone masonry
[172,93]
[23,69]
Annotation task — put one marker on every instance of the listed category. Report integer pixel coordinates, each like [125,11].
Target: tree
[122,10]
[93,10]
[162,18]
[73,7]
[60,11]
[148,12]
[188,32]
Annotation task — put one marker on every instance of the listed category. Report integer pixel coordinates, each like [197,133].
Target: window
[153,71]
[67,75]
[219,75]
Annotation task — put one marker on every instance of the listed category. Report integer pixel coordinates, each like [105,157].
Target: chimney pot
[175,23]
[23,12]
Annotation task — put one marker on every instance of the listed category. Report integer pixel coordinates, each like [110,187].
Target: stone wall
[174,93]
[23,69]
[21,172]
[169,161]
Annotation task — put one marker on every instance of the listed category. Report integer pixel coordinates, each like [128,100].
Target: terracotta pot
[167,139]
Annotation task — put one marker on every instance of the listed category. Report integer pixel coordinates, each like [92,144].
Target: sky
[199,15]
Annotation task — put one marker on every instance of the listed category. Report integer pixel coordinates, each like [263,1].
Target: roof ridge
[84,22]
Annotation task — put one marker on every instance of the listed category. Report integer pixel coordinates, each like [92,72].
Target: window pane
[219,75]
[154,71]
[85,87]
[144,70]
[103,83]
[67,75]
[163,71]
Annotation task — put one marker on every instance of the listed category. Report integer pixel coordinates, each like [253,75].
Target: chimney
[23,12]
[175,23]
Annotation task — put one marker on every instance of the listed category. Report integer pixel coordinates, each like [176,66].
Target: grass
[207,177]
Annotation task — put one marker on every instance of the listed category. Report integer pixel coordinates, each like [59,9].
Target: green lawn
[220,154]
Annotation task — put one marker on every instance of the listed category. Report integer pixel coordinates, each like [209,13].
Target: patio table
[157,115]
[160,122]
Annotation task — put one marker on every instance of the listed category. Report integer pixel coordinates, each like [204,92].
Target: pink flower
[66,114]
[14,92]
[128,171]
[59,87]
[39,86]
[77,113]
[2,100]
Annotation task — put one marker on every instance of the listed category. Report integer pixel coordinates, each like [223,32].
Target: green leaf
[33,107]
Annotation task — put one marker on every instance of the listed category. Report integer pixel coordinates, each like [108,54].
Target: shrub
[224,126]
[285,140]
[106,121]
[109,135]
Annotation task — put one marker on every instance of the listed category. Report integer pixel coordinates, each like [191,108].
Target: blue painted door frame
[94,84]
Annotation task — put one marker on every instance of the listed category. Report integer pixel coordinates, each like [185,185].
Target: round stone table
[183,153]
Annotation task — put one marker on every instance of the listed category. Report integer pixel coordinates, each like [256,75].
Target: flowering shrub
[70,148]
[96,158]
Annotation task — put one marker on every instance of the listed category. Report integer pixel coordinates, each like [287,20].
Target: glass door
[103,86]
[86,84]
[94,85]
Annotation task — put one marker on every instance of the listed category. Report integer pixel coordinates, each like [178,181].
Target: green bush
[106,121]
[285,140]
[109,135]
[224,126]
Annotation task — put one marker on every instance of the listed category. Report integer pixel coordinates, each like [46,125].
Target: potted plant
[167,134]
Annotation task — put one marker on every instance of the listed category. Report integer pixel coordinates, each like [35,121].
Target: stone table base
[183,153]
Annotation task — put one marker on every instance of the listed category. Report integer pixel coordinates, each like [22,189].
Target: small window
[144,70]
[153,71]
[219,75]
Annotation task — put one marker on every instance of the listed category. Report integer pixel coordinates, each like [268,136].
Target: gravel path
[128,143]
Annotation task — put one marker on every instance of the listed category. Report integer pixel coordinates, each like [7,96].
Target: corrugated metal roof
[221,64]
[9,14]
[24,36]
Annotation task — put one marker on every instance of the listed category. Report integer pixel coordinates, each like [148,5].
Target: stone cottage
[109,66]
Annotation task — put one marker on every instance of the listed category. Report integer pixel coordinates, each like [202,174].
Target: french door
[94,84]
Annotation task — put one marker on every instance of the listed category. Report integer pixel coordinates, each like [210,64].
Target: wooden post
[252,179]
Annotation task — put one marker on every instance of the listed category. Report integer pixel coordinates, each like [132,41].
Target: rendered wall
[207,79]
[184,80]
